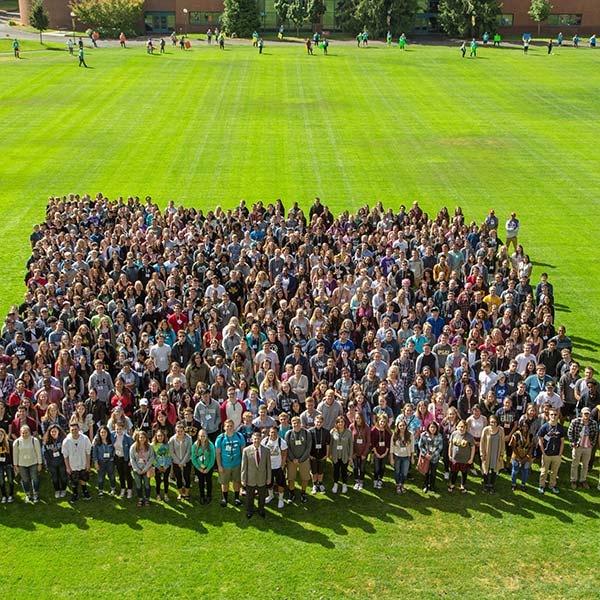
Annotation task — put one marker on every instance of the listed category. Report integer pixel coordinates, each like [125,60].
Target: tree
[539,11]
[109,17]
[315,10]
[468,17]
[240,17]
[282,8]
[297,13]
[377,16]
[39,18]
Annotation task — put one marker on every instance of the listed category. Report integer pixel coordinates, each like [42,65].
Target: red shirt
[177,322]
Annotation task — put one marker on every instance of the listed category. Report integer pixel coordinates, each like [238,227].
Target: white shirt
[77,451]
[275,448]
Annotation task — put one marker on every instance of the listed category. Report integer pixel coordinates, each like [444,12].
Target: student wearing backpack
[228,447]
[203,459]
[278,449]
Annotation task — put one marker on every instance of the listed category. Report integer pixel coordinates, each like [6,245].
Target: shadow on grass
[585,343]
[542,264]
[318,520]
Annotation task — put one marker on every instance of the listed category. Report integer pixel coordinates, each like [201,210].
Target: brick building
[164,16]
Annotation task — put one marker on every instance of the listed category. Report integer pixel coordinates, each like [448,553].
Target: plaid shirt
[575,429]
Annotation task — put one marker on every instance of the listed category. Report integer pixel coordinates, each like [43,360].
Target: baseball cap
[585,409]
[143,402]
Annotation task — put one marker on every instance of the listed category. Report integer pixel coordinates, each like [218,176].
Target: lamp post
[73,25]
[185,12]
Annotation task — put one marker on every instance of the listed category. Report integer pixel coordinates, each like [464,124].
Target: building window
[205,18]
[564,20]
[505,20]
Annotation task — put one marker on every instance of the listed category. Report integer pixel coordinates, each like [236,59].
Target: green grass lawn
[205,127]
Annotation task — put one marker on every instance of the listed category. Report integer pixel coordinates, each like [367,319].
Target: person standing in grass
[340,453]
[180,447]
[492,453]
[6,469]
[309,46]
[402,41]
[325,46]
[497,39]
[142,457]
[380,449]
[401,454]
[550,44]
[122,443]
[260,44]
[278,454]
[583,436]
[203,459]
[522,443]
[228,449]
[162,463]
[70,46]
[122,40]
[431,444]
[389,38]
[299,443]
[551,440]
[473,53]
[221,39]
[461,452]
[16,50]
[463,49]
[320,441]
[359,39]
[27,462]
[162,45]
[81,57]
[103,455]
[77,450]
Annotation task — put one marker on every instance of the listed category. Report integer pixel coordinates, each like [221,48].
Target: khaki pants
[552,464]
[582,455]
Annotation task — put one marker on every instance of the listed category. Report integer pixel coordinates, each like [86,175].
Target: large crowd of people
[269,347]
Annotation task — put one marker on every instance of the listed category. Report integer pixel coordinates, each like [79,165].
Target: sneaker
[223,503]
[86,495]
[10,500]
[36,498]
[63,493]
[100,494]
[357,486]
[74,498]
[398,489]
[584,485]
[122,494]
[361,485]
[291,498]
[446,475]
[166,497]
[555,490]
[140,503]
[322,489]
[303,498]
[513,487]
[147,503]
[270,497]
[523,487]
[344,489]
[57,494]
[280,503]
[237,502]
[3,500]
[425,489]
[541,490]
[27,499]
[573,485]
[334,489]
[129,494]
[179,497]
[314,490]
[113,491]
[474,472]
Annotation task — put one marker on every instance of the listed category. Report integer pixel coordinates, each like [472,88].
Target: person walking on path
[16,49]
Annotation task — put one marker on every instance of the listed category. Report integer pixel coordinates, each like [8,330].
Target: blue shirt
[231,449]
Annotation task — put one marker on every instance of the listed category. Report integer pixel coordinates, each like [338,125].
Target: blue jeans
[30,479]
[106,468]
[142,485]
[516,465]
[401,465]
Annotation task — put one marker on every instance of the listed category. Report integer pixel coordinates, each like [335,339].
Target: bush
[110,17]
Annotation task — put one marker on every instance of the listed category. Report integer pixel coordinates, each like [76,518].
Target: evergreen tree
[282,8]
[240,17]
[39,18]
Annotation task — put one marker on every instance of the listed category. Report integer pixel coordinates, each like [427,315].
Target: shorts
[230,474]
[317,466]
[79,477]
[303,467]
[278,477]
[458,467]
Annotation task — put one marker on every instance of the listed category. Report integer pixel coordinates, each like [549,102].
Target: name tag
[298,442]
[107,455]
[340,447]
[382,443]
[208,417]
[56,454]
[2,459]
[228,447]
[359,440]
[318,446]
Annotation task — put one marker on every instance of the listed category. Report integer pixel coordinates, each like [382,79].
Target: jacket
[27,456]
[488,462]
[127,443]
[137,463]
[203,458]
[341,445]
[208,415]
[181,453]
[252,474]
[103,452]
